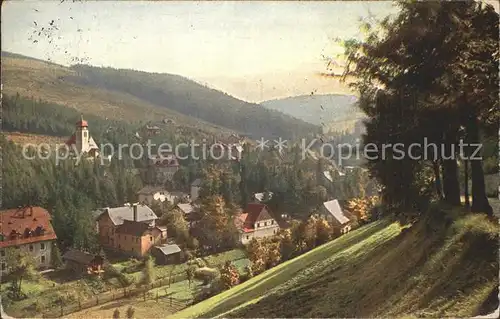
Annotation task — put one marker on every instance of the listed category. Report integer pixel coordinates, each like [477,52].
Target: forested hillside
[134,95]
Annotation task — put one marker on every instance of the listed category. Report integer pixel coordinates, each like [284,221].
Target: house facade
[333,213]
[29,229]
[130,229]
[255,222]
[165,166]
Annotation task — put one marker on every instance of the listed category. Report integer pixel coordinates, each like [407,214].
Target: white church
[81,141]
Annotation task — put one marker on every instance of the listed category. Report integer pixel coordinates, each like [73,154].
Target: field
[433,269]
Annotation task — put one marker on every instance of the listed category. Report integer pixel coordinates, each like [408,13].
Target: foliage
[362,207]
[148,272]
[56,257]
[20,265]
[130,312]
[392,66]
[206,274]
[229,275]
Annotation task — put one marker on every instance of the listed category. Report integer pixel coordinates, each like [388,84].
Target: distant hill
[140,96]
[334,112]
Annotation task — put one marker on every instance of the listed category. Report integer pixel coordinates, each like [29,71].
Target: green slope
[377,270]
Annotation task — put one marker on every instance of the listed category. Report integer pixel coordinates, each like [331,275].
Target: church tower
[82,135]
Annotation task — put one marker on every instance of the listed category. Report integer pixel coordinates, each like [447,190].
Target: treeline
[431,72]
[190,98]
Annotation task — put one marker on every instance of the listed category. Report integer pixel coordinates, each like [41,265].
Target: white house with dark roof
[333,213]
[255,222]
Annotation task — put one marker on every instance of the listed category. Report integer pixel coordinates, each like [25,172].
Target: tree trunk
[479,199]
[451,186]
[437,174]
[466,183]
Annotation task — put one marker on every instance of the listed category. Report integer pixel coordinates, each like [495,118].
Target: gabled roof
[333,207]
[168,249]
[25,225]
[253,213]
[119,214]
[186,208]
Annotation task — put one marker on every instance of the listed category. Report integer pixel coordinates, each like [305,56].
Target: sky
[252,50]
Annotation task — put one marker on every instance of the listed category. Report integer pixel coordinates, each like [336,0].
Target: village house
[149,195]
[165,166]
[152,130]
[333,213]
[30,229]
[130,229]
[83,263]
[255,222]
[81,141]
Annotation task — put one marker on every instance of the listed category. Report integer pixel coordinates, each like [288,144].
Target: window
[31,247]
[150,238]
[84,134]
[247,236]
[4,266]
[43,259]
[258,224]
[42,246]
[272,222]
[2,253]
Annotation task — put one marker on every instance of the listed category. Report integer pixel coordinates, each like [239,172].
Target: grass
[163,271]
[445,265]
[47,291]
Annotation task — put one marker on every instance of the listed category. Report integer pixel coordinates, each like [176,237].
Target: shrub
[206,274]
[116,314]
[130,312]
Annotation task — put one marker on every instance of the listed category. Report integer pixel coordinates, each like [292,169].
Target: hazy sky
[252,50]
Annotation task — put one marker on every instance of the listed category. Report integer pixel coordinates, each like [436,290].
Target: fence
[143,291]
[175,304]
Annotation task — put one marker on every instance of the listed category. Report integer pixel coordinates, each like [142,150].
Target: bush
[207,275]
[130,312]
[111,272]
[197,262]
[116,314]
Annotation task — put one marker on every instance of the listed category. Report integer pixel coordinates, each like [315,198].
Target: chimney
[135,212]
